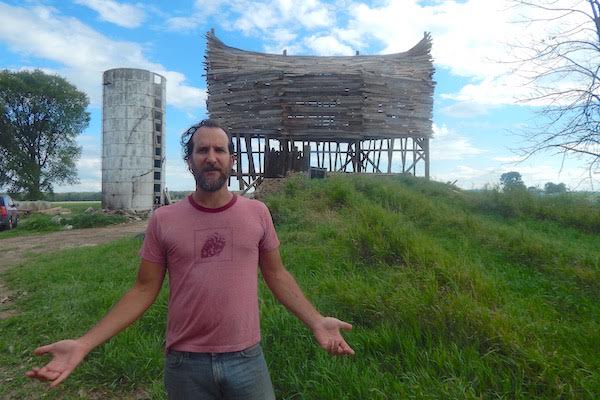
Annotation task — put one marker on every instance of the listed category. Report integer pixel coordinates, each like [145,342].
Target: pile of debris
[61,215]
[31,206]
[131,215]
[268,185]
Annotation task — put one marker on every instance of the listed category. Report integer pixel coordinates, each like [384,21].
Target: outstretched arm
[286,290]
[67,354]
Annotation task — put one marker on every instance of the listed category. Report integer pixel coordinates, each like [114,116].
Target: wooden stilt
[329,147]
[238,151]
[403,153]
[379,154]
[390,154]
[250,154]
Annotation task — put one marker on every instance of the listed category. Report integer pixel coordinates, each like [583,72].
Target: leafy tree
[562,68]
[553,188]
[511,181]
[40,117]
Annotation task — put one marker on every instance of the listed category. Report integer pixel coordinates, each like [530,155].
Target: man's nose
[211,156]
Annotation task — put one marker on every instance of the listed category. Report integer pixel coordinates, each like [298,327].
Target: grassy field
[453,295]
[40,223]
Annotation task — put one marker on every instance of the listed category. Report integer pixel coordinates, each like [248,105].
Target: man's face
[210,161]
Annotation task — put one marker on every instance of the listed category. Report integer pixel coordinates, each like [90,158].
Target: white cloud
[42,32]
[277,22]
[465,109]
[508,159]
[177,175]
[183,23]
[181,95]
[280,39]
[264,15]
[327,46]
[534,173]
[466,172]
[202,10]
[125,15]
[84,185]
[490,91]
[89,171]
[91,165]
[470,39]
[448,145]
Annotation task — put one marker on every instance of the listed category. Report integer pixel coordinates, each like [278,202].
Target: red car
[9,216]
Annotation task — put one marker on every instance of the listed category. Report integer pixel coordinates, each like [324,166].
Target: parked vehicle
[9,215]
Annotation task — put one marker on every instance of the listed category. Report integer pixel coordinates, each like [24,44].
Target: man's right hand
[66,355]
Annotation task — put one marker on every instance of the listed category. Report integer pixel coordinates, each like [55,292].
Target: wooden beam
[250,155]
[238,151]
[390,154]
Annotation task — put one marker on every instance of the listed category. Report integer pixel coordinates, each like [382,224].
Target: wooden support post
[379,154]
[414,145]
[390,154]
[329,146]
[306,150]
[425,146]
[349,158]
[403,149]
[319,155]
[290,162]
[368,160]
[250,154]
[267,156]
[260,164]
[367,155]
[357,156]
[238,151]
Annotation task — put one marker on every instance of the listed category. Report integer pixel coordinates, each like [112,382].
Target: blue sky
[477,118]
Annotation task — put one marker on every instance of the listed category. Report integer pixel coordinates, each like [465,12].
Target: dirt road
[15,251]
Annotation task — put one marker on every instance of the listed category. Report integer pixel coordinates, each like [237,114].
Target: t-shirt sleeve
[153,249]
[269,241]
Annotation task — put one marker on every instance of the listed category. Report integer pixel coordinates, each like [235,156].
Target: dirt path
[16,251]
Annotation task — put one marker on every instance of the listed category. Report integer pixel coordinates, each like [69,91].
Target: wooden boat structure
[359,114]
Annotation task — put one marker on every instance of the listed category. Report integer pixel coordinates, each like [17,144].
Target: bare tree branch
[562,70]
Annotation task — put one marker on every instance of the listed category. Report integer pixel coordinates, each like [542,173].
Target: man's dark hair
[186,137]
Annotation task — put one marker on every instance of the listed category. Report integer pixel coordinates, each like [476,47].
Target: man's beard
[207,184]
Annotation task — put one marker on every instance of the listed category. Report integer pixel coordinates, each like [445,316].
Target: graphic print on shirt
[213,245]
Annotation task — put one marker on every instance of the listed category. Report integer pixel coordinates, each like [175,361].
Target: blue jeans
[240,375]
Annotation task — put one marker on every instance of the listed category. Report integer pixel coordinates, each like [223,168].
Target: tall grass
[450,297]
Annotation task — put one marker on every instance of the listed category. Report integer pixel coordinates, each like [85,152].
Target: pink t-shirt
[212,261]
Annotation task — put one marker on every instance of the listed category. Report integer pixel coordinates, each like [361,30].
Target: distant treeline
[87,196]
[179,194]
[69,196]
[74,196]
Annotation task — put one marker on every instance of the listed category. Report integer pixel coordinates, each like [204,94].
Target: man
[211,244]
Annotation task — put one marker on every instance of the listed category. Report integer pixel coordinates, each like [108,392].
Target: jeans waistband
[193,354]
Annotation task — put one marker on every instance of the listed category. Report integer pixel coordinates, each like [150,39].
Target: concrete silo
[133,126]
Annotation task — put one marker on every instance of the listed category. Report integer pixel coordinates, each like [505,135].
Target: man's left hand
[327,333]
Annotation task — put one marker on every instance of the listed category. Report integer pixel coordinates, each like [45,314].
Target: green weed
[452,294]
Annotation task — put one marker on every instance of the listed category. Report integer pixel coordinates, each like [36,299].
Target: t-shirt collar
[212,210]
